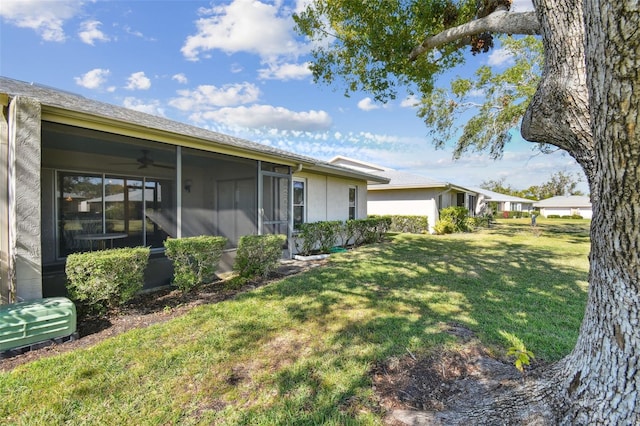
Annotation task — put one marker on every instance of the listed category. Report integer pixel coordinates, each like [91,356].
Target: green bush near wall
[323,237]
[195,259]
[452,219]
[409,224]
[258,255]
[107,278]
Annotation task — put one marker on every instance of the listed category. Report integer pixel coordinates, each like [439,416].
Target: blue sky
[237,67]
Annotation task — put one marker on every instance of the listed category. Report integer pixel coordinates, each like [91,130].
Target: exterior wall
[327,197]
[24,196]
[410,202]
[4,197]
[586,213]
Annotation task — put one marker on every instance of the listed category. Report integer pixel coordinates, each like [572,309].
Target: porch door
[275,203]
[236,209]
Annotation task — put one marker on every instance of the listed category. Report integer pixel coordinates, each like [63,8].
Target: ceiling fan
[146,161]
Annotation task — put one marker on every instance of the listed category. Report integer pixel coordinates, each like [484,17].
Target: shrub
[553,216]
[444,226]
[107,278]
[409,224]
[372,229]
[322,237]
[328,233]
[258,255]
[195,259]
[307,238]
[483,221]
[454,220]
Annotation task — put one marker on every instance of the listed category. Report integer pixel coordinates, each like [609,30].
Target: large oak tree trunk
[598,382]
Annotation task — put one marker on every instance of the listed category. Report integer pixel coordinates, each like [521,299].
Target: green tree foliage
[368,45]
[490,104]
[559,183]
[500,186]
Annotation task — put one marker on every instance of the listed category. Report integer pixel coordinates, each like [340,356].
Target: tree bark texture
[588,103]
[500,21]
[559,112]
[602,374]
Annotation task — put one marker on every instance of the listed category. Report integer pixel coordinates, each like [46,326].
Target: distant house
[410,194]
[72,167]
[562,205]
[490,200]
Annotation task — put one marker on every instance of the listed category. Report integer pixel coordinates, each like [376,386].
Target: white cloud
[44,17]
[153,107]
[208,96]
[367,104]
[89,32]
[285,72]
[93,79]
[243,26]
[410,101]
[500,57]
[138,81]
[180,78]
[259,116]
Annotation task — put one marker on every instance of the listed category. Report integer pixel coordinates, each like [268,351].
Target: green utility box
[25,323]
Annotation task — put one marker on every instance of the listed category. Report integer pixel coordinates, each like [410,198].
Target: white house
[72,166]
[563,205]
[503,203]
[410,194]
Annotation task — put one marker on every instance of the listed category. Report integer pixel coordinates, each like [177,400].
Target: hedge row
[323,237]
[102,280]
[557,216]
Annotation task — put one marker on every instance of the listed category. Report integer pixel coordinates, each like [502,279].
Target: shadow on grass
[300,351]
[398,297]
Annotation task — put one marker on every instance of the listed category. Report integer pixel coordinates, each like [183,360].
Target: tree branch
[500,21]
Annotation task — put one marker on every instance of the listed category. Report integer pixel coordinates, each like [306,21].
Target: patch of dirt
[147,309]
[414,390]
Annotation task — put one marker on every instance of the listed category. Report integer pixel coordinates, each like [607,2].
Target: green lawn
[299,351]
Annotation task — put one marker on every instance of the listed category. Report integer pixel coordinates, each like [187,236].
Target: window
[97,204]
[472,205]
[299,197]
[353,204]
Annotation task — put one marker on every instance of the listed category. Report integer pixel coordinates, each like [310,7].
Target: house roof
[566,201]
[502,198]
[66,107]
[397,179]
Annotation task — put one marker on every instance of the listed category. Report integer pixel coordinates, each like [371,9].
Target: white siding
[328,197]
[410,202]
[586,213]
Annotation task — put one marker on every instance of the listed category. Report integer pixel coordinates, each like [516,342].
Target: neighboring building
[410,194]
[72,166]
[562,205]
[495,202]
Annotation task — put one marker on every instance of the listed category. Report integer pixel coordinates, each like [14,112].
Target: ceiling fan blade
[162,166]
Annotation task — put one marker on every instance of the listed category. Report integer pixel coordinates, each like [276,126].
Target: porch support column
[5,270]
[25,162]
